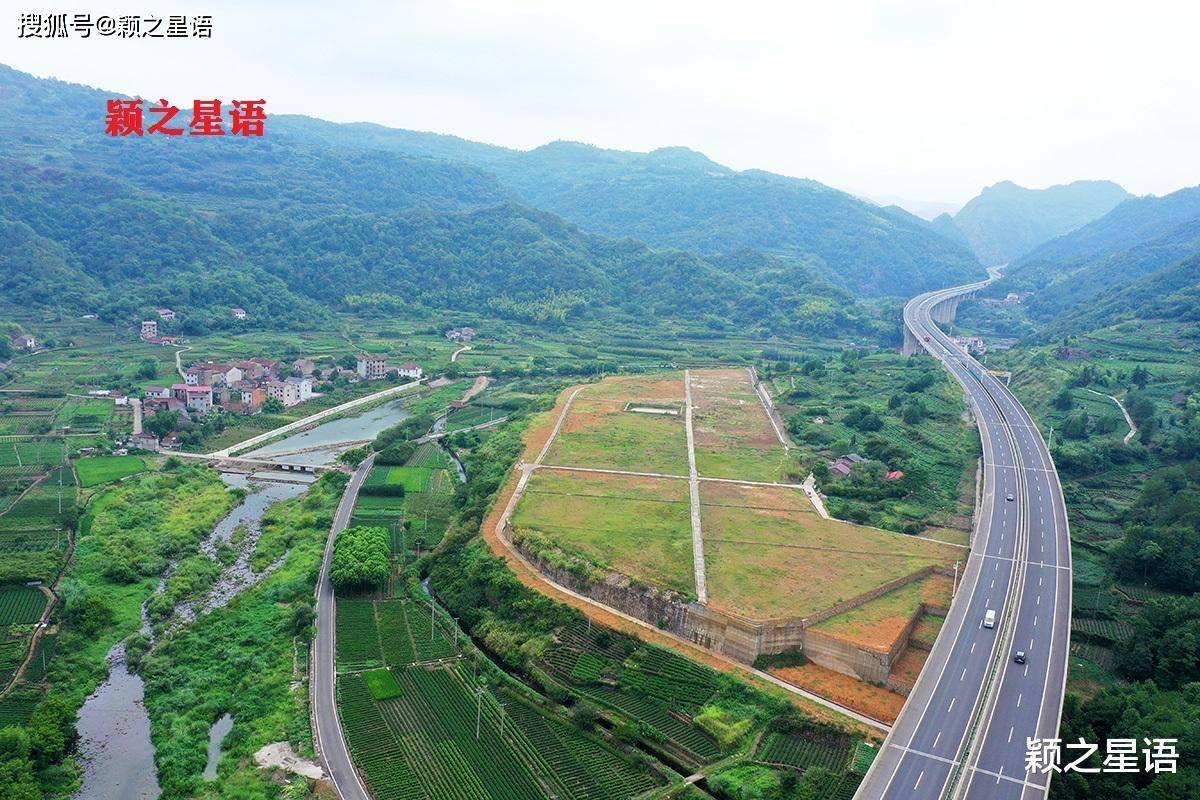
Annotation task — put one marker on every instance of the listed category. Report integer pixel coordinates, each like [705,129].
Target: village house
[371,367]
[894,475]
[211,373]
[23,342]
[243,397]
[1071,353]
[166,314]
[305,366]
[149,328]
[144,441]
[284,392]
[195,398]
[409,370]
[238,313]
[304,388]
[157,392]
[845,464]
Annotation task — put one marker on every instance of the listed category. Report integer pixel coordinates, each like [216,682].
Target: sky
[922,101]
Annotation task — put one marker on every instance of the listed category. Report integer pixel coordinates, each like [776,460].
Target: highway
[327,726]
[963,731]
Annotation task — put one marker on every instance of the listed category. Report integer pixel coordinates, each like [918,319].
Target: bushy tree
[361,558]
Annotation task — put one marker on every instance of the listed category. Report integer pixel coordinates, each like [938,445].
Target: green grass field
[96,470]
[637,526]
[599,432]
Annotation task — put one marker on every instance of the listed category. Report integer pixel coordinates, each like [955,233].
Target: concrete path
[1128,419]
[454,356]
[694,491]
[769,406]
[810,489]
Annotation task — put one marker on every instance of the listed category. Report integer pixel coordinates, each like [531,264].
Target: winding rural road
[327,726]
[963,731]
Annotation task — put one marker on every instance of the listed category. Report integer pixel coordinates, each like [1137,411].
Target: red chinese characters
[125,118]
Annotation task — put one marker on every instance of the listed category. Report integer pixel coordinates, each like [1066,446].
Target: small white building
[304,388]
[238,313]
[166,313]
[410,370]
[158,392]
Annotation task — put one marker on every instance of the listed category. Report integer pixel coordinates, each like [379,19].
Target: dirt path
[478,386]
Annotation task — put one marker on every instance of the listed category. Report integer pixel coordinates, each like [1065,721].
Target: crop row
[804,751]
[1106,629]
[20,605]
[357,635]
[373,748]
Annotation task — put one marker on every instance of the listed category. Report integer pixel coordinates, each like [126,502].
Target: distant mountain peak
[1006,221]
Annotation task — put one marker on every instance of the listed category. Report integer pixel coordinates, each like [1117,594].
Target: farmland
[636,526]
[96,470]
[599,432]
[766,558]
[734,436]
[413,501]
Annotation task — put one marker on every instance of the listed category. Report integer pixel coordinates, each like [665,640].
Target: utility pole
[478,709]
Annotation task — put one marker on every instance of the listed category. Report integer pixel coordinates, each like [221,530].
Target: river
[325,442]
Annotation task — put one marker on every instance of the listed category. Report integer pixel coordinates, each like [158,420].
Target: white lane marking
[918,783]
[935,740]
[1010,732]
[1019,696]
[952,699]
[972,647]
[964,674]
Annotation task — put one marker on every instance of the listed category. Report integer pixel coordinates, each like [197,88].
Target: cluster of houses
[975,345]
[845,465]
[243,387]
[463,334]
[1011,299]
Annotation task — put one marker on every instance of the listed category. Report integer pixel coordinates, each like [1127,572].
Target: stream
[116,752]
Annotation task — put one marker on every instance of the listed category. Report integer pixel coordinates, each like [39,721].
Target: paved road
[963,730]
[327,726]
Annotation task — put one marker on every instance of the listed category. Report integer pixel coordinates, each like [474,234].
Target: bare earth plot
[770,555]
[636,526]
[599,433]
[734,435]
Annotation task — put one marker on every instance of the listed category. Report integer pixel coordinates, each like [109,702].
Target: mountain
[677,198]
[1135,262]
[292,227]
[1006,221]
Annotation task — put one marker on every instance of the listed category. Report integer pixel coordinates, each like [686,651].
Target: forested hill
[1108,267]
[1006,221]
[675,197]
[291,227]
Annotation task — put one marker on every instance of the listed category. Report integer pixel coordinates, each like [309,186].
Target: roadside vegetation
[903,418]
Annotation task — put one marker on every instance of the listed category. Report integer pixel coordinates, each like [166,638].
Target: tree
[162,423]
[1140,377]
[272,406]
[147,370]
[1064,400]
[361,558]
[914,411]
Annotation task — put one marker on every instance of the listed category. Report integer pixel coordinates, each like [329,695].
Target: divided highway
[963,731]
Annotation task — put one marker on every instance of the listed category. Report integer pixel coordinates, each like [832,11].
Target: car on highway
[989,619]
[1019,657]
[1010,497]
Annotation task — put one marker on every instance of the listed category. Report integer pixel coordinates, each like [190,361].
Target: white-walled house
[410,370]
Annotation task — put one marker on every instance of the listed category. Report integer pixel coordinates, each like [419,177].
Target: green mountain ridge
[677,198]
[289,227]
[1006,221]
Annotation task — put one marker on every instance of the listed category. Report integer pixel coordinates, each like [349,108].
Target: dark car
[1019,657]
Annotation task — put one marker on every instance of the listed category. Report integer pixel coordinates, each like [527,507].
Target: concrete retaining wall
[738,637]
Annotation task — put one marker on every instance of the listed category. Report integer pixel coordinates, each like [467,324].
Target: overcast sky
[919,100]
